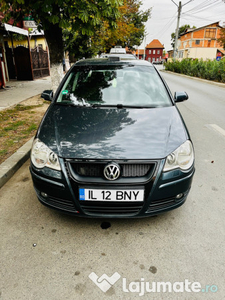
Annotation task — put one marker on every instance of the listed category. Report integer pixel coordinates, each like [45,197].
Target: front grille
[95,170]
[87,170]
[135,170]
[110,208]
[89,174]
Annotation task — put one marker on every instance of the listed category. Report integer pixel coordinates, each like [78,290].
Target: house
[170,54]
[154,51]
[23,53]
[140,53]
[201,42]
[37,39]
[165,57]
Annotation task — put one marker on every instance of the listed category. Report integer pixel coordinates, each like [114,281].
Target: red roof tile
[155,44]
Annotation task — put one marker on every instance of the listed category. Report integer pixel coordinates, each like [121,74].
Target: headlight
[42,156]
[182,157]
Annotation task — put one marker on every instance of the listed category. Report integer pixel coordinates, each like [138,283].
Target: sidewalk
[17,91]
[14,93]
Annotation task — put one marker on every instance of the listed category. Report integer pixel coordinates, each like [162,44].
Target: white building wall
[204,53]
[198,52]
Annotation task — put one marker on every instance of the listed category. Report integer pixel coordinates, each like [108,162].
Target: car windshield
[117,85]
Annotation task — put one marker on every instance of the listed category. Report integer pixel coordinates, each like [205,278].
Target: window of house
[153,51]
[210,33]
[158,51]
[197,42]
[150,51]
[181,54]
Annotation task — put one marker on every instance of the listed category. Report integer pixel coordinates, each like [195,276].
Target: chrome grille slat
[135,170]
[96,169]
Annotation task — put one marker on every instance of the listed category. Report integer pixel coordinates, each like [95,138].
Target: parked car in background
[127,56]
[118,50]
[112,143]
[157,62]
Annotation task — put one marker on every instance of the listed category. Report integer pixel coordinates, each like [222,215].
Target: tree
[129,31]
[221,39]
[181,30]
[81,16]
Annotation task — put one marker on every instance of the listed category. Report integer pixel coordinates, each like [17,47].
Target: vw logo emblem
[112,171]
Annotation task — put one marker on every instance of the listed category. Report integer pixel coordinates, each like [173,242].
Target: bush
[209,69]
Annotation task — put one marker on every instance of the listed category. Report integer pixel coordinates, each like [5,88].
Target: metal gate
[23,63]
[40,62]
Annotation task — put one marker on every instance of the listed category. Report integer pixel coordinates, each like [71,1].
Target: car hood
[111,133]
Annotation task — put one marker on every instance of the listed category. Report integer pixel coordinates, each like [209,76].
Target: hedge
[209,69]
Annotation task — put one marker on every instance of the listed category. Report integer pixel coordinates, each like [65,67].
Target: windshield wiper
[106,105]
[123,106]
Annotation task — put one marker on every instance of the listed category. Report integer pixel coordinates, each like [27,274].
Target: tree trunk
[54,39]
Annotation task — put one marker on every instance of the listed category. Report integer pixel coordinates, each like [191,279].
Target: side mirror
[47,95]
[180,96]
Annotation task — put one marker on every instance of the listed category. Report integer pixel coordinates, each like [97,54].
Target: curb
[9,167]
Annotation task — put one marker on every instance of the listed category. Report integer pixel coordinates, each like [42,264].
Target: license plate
[111,195]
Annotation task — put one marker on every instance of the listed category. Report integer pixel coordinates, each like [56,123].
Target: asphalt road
[47,255]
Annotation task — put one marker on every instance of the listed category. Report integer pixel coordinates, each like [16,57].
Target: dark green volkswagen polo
[112,143]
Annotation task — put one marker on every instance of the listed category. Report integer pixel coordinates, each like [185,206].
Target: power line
[199,6]
[203,6]
[210,18]
[189,16]
[168,24]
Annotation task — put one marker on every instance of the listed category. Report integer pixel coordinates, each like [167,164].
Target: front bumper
[163,191]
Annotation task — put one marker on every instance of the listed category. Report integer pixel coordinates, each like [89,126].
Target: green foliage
[82,27]
[53,16]
[13,125]
[209,69]
[18,37]
[135,18]
[31,128]
[129,31]
[181,30]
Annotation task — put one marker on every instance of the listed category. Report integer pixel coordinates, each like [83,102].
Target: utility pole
[175,52]
[145,44]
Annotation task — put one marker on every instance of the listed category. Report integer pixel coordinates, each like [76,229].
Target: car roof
[112,61]
[121,55]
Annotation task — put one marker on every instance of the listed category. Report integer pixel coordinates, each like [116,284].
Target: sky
[164,14]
